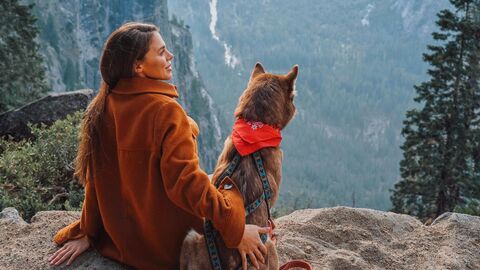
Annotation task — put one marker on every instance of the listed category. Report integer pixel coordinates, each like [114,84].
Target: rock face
[329,238]
[46,110]
[356,238]
[28,246]
[72,35]
[195,98]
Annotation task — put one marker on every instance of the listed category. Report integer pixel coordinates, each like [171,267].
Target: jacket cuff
[70,232]
[234,225]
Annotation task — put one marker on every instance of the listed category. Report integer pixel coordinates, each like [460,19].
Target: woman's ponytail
[89,132]
[129,43]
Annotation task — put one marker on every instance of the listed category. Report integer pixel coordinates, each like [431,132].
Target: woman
[137,159]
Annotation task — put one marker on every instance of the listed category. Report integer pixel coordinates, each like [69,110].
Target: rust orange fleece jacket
[147,189]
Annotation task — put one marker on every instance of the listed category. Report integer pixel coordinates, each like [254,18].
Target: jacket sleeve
[187,185]
[89,224]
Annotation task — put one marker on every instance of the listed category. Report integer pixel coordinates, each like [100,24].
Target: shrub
[37,175]
[471,207]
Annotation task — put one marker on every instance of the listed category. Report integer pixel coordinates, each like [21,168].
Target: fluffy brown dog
[268,98]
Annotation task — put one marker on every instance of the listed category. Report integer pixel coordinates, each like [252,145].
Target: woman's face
[157,62]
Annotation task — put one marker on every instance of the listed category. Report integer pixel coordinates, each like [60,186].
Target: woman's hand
[252,245]
[70,250]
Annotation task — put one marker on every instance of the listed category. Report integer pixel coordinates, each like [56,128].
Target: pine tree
[22,74]
[441,165]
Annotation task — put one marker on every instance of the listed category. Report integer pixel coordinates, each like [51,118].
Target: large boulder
[358,238]
[329,238]
[54,106]
[28,246]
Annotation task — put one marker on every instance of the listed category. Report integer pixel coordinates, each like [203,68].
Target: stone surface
[10,215]
[46,110]
[329,238]
[359,238]
[28,246]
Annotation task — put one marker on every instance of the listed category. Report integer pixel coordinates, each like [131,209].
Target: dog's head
[268,97]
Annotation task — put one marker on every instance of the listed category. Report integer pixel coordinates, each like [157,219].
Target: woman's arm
[90,222]
[187,185]
[79,235]
[71,250]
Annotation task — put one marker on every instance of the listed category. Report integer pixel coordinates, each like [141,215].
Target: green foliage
[38,175]
[441,164]
[22,74]
[472,207]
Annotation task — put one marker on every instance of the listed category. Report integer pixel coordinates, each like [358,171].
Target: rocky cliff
[72,34]
[329,238]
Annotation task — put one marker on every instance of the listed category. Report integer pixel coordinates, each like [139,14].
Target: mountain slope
[358,63]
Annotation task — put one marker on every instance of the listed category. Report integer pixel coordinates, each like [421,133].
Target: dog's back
[268,99]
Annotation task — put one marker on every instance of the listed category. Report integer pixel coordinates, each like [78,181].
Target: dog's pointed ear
[292,75]
[257,70]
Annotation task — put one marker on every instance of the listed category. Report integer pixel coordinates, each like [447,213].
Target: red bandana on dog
[249,136]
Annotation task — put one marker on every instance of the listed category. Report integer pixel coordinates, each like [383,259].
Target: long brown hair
[130,42]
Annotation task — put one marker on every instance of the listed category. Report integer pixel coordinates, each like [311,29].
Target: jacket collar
[138,85]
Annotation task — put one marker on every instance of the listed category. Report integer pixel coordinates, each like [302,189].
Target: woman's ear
[138,68]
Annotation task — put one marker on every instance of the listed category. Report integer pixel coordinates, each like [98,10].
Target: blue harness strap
[230,169]
[210,231]
[267,191]
[254,205]
[212,248]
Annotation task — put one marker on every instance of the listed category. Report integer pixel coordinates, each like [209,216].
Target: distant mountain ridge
[358,63]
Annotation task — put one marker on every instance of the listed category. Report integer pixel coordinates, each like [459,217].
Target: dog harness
[248,138]
[211,233]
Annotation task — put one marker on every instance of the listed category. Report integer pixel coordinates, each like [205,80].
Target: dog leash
[296,264]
